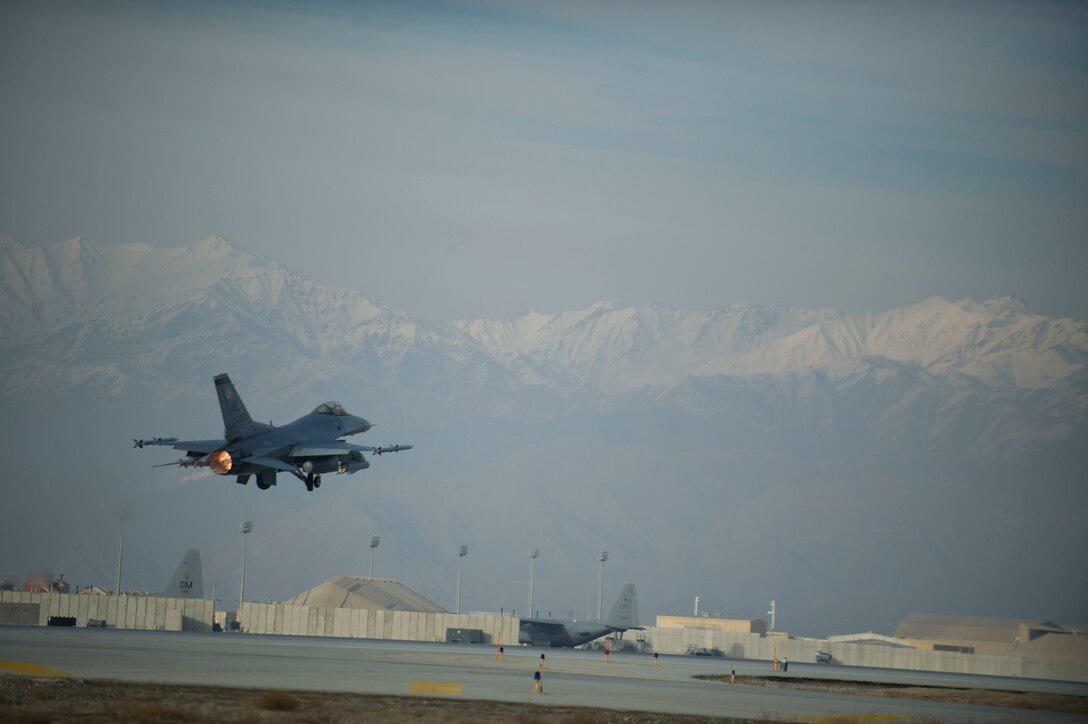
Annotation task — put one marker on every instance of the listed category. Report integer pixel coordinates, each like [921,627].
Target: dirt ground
[980,697]
[37,700]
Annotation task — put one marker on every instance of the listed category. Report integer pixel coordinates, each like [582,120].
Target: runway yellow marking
[448,688]
[29,669]
[852,718]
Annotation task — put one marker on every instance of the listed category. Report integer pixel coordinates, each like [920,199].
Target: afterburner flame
[220,462]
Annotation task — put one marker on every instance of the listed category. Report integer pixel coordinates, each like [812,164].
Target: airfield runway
[571,678]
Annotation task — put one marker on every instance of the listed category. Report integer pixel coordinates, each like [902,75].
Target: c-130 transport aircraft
[548,632]
[306,448]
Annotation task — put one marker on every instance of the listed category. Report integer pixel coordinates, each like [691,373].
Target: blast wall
[292,620]
[754,646]
[135,612]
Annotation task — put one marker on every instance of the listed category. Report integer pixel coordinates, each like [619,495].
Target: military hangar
[380,594]
[373,608]
[998,636]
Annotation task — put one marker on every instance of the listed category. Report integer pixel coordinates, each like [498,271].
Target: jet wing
[338,447]
[326,448]
[271,463]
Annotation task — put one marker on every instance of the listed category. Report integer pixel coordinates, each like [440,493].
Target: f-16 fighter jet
[305,448]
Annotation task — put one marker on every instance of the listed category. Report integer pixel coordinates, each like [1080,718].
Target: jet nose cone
[361,425]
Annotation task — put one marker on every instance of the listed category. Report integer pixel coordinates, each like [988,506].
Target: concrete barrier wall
[753,646]
[147,612]
[135,612]
[291,620]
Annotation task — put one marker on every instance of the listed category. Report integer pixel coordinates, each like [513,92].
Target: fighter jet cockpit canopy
[330,408]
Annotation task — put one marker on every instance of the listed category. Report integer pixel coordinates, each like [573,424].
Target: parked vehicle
[703,651]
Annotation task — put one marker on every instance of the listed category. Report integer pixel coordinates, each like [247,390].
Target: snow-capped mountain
[117,313]
[1000,342]
[615,350]
[765,438]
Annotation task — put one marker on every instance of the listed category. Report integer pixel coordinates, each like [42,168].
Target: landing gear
[311,480]
[243,479]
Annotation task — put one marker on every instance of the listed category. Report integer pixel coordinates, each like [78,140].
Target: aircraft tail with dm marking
[624,614]
[188,581]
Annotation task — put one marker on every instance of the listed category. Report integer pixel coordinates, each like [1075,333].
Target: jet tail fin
[188,581]
[236,420]
[624,614]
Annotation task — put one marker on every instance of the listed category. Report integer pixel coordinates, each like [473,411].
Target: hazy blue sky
[476,159]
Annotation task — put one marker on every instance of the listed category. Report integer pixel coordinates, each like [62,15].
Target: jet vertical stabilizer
[188,581]
[624,614]
[236,420]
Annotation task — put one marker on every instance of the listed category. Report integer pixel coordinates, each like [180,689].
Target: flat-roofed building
[715,623]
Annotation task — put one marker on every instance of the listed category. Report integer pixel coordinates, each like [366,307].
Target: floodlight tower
[602,557]
[532,570]
[247,528]
[460,566]
[120,553]
[374,541]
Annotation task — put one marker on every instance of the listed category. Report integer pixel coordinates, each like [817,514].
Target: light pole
[374,541]
[460,565]
[120,553]
[532,569]
[246,528]
[602,557]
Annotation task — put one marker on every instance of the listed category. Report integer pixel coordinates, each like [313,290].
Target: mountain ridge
[600,349]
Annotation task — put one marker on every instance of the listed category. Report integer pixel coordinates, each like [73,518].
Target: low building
[715,623]
[998,636]
[373,608]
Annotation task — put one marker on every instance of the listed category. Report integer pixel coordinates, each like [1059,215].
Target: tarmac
[569,677]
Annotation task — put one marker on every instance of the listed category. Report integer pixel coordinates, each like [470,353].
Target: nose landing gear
[311,480]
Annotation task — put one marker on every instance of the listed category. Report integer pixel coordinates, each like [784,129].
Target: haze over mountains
[853,467]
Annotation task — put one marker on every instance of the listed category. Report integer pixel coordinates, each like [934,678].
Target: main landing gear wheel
[317,481]
[310,482]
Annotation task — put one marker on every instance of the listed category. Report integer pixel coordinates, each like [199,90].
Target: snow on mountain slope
[613,350]
[44,289]
[132,289]
[1000,342]
[112,314]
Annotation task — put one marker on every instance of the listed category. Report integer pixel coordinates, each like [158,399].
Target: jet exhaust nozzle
[220,462]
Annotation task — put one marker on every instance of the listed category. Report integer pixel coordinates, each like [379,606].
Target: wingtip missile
[155,441]
[391,449]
